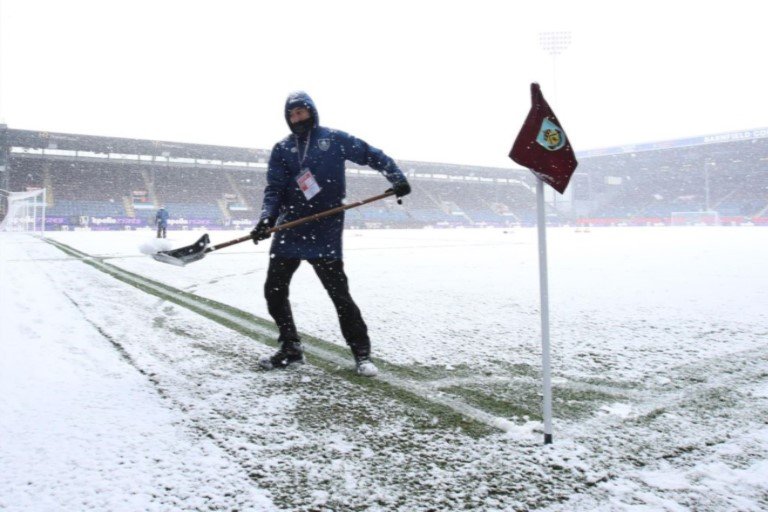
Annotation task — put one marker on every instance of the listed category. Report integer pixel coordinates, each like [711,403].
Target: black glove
[261,231]
[401,188]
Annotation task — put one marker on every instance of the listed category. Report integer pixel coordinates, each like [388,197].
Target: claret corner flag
[542,145]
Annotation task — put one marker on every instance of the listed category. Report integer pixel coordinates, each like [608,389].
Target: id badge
[308,184]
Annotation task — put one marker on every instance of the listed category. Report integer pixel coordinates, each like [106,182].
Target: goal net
[701,218]
[25,211]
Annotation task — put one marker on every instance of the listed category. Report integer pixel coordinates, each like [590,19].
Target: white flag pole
[544,291]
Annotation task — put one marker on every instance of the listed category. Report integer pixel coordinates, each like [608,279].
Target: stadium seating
[729,177]
[642,185]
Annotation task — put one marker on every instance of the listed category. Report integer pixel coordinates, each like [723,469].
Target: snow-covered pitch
[128,384]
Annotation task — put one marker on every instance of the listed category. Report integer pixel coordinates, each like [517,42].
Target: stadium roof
[101,144]
[757,133]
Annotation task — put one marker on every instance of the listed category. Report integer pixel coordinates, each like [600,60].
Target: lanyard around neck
[306,149]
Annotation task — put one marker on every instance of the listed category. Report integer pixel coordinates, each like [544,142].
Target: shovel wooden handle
[304,220]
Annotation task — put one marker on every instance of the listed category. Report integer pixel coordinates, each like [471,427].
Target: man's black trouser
[331,274]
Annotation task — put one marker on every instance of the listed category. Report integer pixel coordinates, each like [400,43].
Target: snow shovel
[197,251]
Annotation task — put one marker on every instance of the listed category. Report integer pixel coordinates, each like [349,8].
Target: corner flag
[542,146]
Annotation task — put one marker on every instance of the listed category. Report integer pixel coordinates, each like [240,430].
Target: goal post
[700,218]
[24,211]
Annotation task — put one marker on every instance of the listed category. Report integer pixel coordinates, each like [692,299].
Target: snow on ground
[79,428]
[111,398]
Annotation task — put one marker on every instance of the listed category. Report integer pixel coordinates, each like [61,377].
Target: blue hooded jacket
[323,151]
[161,218]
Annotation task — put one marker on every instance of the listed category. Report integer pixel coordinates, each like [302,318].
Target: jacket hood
[301,99]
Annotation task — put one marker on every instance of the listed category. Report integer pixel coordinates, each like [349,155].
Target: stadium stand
[726,173]
[99,182]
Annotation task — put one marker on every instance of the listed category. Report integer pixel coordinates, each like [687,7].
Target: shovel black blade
[183,255]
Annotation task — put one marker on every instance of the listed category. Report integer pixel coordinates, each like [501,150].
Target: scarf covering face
[301,99]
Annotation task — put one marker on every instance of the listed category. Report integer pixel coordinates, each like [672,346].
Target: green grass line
[474,406]
[401,383]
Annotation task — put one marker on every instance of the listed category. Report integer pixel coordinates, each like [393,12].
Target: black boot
[291,352]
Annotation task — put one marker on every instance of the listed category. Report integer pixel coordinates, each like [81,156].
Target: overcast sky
[444,81]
